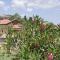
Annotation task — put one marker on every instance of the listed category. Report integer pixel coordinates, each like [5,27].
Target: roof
[17,21]
[16,26]
[4,21]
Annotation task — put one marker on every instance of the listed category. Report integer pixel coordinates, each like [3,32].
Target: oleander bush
[36,40]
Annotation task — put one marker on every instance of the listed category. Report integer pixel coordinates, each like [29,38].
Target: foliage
[36,40]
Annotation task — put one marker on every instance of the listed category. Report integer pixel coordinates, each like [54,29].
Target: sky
[47,9]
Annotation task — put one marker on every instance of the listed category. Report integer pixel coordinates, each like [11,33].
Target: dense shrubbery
[35,41]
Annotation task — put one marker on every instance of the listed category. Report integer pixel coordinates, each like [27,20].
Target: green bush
[36,40]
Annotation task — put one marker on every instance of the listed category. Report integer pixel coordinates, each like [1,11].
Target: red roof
[4,21]
[16,26]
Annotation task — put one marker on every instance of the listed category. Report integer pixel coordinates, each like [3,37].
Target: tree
[15,17]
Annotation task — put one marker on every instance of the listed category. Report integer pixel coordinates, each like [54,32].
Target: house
[16,25]
[5,24]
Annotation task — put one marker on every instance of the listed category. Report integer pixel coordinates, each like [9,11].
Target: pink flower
[50,56]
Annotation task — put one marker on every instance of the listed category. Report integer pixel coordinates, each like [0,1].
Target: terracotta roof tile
[16,26]
[4,21]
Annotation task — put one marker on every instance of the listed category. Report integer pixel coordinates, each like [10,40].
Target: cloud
[18,3]
[2,3]
[29,9]
[44,3]
[36,3]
